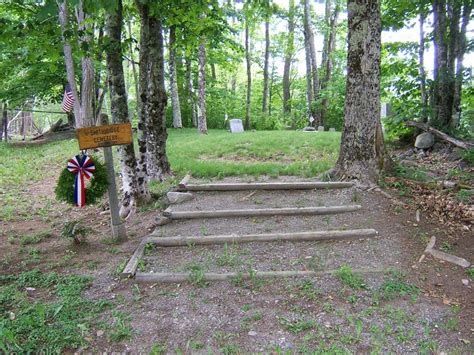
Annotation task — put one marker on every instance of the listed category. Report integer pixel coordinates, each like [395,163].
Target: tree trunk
[265,65]
[119,108]
[142,94]
[460,50]
[69,61]
[157,165]
[270,91]
[97,97]
[288,57]
[249,75]
[202,120]
[189,83]
[362,150]
[134,66]
[4,126]
[309,82]
[421,54]
[331,18]
[177,122]
[309,37]
[441,111]
[87,85]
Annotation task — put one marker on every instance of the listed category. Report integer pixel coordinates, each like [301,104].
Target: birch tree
[133,193]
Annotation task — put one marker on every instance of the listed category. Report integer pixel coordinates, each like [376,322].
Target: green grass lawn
[220,153]
[274,153]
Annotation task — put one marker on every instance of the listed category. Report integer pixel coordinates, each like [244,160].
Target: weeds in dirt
[396,286]
[470,273]
[35,238]
[196,275]
[446,246]
[122,330]
[61,320]
[249,320]
[351,279]
[465,196]
[228,257]
[356,197]
[158,349]
[297,326]
[74,230]
[411,173]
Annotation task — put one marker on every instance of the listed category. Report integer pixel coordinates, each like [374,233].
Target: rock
[179,197]
[332,129]
[465,282]
[162,220]
[321,128]
[252,333]
[100,333]
[424,140]
[309,129]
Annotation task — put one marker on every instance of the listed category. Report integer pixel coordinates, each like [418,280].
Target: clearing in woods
[404,306]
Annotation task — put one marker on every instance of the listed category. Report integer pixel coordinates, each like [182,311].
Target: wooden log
[267,186]
[171,277]
[270,237]
[131,267]
[442,135]
[182,184]
[260,212]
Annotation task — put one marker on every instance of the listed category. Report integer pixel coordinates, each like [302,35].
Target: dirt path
[358,313]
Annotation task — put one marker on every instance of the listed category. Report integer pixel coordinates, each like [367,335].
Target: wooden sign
[104,136]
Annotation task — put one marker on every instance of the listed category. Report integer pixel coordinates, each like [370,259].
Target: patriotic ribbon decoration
[82,166]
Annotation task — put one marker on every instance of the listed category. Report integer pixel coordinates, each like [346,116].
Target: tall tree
[152,91]
[87,83]
[119,107]
[69,62]
[289,51]
[267,14]
[421,56]
[177,121]
[313,85]
[189,84]
[248,64]
[4,123]
[332,9]
[460,50]
[362,150]
[202,119]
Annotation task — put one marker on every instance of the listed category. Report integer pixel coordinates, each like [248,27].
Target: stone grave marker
[332,129]
[321,128]
[236,126]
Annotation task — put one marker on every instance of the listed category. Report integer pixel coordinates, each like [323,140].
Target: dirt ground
[294,315]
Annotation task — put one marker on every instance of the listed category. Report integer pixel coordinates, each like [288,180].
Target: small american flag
[68,99]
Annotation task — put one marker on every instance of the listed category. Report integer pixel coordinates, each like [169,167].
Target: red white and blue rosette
[82,167]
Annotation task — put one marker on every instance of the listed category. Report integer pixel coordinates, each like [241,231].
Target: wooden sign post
[106,136]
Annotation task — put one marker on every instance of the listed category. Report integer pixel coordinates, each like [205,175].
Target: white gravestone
[321,128]
[236,126]
[332,129]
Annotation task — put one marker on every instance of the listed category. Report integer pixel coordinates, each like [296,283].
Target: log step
[260,212]
[270,237]
[264,186]
[171,277]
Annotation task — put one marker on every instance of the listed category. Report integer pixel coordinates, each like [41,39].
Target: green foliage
[351,279]
[51,326]
[468,156]
[396,286]
[35,238]
[97,188]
